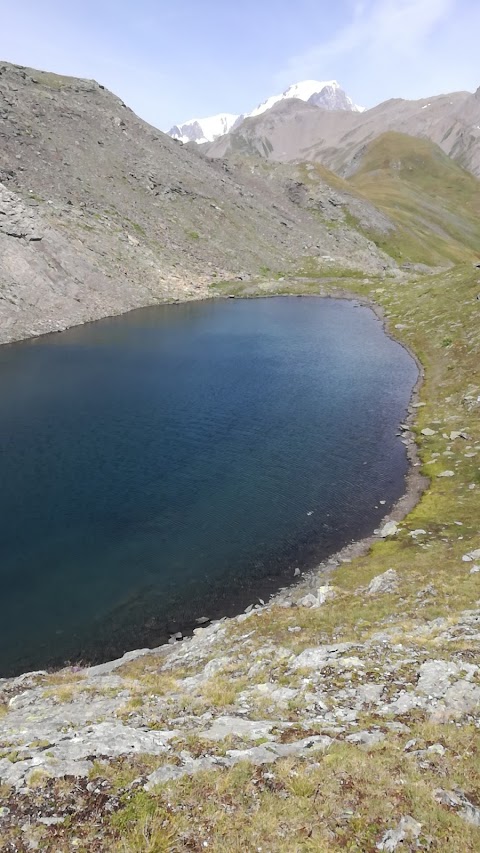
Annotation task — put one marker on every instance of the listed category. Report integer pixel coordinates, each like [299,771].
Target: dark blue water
[181,460]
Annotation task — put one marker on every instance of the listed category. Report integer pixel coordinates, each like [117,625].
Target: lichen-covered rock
[387,582]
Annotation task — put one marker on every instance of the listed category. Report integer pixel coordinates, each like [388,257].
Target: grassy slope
[426,194]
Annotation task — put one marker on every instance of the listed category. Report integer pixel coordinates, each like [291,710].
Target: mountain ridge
[296,131]
[327,93]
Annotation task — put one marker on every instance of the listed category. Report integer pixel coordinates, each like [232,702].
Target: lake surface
[182,460]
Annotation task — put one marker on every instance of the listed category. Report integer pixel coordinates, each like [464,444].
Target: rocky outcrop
[57,726]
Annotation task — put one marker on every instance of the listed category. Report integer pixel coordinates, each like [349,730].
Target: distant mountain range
[327,94]
[291,131]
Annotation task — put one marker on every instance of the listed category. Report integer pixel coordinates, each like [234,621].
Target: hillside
[295,131]
[407,196]
[101,213]
[434,203]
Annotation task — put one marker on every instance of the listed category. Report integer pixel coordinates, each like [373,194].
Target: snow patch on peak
[203,129]
[303,91]
[306,88]
[321,93]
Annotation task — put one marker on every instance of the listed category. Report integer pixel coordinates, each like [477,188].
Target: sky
[171,61]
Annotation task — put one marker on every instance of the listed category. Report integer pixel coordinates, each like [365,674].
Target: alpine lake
[181,462]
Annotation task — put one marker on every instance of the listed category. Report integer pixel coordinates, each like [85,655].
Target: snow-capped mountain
[203,129]
[327,94]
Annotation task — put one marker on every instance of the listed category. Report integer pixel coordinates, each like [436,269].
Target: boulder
[389,529]
[387,582]
[408,830]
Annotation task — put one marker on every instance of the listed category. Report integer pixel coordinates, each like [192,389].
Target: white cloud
[378,30]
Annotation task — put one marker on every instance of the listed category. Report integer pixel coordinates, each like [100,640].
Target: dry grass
[344,800]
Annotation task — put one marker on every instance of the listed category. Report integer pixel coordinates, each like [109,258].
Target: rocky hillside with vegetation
[101,213]
[342,715]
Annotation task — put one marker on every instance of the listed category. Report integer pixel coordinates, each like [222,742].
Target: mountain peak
[327,94]
[203,129]
[306,88]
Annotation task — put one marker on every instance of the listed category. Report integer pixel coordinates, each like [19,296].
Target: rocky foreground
[81,745]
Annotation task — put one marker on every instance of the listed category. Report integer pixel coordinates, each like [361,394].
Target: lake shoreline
[415,485]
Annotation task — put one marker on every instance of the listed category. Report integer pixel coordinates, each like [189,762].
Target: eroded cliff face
[101,213]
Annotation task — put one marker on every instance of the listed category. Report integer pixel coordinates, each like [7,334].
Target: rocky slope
[293,131]
[101,213]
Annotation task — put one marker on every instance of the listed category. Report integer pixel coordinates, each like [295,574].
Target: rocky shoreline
[305,581]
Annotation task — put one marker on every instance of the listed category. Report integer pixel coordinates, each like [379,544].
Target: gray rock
[461,699]
[408,829]
[264,754]
[435,677]
[315,658]
[389,529]
[437,749]
[308,600]
[369,694]
[215,666]
[267,753]
[324,593]
[471,556]
[51,821]
[190,766]
[404,703]
[224,727]
[277,695]
[366,738]
[70,754]
[387,582]
[112,665]
[457,800]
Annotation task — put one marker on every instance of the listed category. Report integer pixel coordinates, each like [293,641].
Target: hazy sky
[189,58]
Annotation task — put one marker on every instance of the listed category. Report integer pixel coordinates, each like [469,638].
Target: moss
[53,81]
